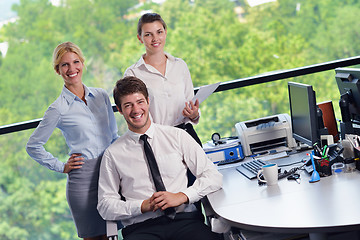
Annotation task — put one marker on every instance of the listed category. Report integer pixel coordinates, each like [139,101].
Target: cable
[281,175]
[290,164]
[288,173]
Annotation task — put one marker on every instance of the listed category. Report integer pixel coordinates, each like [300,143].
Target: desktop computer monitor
[348,83]
[305,115]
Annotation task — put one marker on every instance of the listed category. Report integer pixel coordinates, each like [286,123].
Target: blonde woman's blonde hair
[63,48]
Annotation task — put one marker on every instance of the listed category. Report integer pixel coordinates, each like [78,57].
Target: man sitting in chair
[149,165]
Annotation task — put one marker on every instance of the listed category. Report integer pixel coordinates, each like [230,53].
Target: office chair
[112,230]
[112,226]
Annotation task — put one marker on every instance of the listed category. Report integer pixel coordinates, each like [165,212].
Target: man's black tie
[154,169]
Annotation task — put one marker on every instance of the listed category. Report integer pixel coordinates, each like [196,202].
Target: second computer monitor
[348,81]
[304,113]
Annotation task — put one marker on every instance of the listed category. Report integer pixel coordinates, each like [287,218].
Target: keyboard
[250,169]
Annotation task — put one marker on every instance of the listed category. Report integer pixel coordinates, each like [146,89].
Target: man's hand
[164,200]
[146,206]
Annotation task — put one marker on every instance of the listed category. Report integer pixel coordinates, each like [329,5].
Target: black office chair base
[113,238]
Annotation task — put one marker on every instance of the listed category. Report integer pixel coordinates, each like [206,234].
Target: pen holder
[324,158]
[323,166]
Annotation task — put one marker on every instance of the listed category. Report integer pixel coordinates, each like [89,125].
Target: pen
[324,151]
[327,151]
[317,149]
[315,157]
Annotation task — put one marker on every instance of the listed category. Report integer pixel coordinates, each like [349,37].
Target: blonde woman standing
[85,117]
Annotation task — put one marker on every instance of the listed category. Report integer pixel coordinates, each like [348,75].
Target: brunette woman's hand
[74,162]
[191,110]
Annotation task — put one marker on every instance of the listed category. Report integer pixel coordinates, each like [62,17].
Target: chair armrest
[111,230]
[209,212]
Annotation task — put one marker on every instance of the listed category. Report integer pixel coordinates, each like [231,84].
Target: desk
[330,205]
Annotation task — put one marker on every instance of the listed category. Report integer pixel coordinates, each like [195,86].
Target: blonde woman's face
[71,69]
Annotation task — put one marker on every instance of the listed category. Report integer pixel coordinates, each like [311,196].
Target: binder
[329,118]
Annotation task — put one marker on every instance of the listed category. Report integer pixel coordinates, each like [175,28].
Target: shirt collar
[70,97]
[142,62]
[88,91]
[136,136]
[170,57]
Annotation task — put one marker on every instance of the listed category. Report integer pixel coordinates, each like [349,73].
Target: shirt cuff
[59,167]
[196,120]
[192,195]
[136,207]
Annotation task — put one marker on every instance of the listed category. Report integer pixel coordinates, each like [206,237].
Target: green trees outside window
[219,40]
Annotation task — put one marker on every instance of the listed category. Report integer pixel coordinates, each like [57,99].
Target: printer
[266,135]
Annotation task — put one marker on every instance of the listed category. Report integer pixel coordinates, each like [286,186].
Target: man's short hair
[126,86]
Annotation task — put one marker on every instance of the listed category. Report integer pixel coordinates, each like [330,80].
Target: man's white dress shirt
[124,167]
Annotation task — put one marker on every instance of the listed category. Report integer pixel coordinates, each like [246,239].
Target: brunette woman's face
[153,36]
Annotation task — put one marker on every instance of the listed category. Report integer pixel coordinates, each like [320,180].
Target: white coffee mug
[270,173]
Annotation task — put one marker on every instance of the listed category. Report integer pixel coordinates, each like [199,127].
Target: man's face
[135,109]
